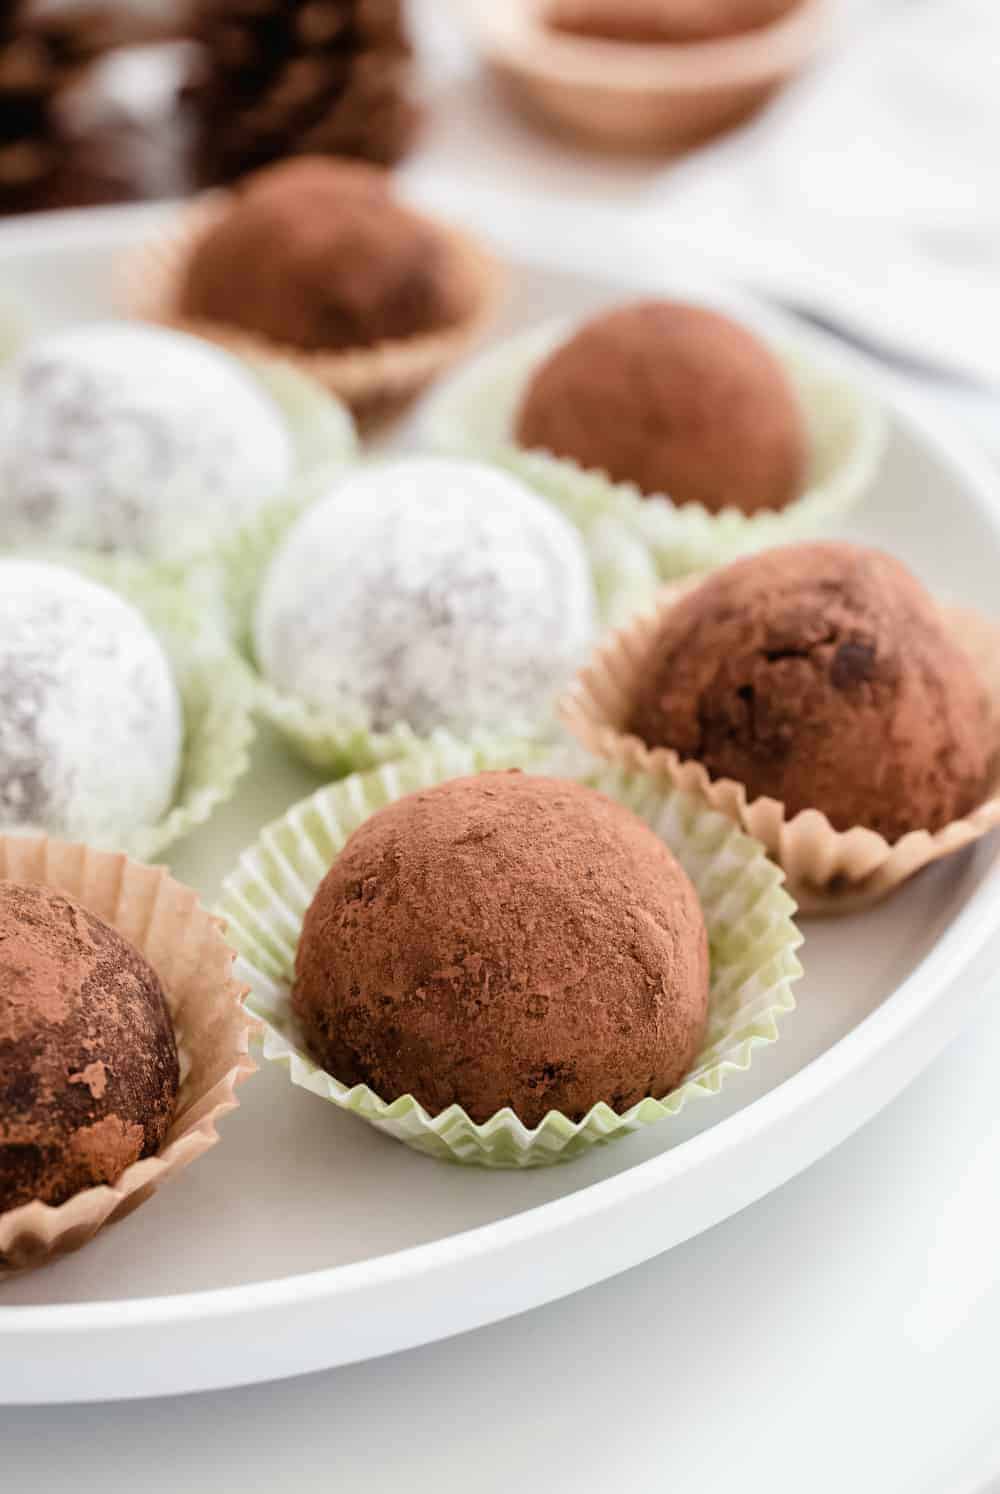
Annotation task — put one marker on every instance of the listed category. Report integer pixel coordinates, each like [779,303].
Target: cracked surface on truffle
[89,1072]
[505,940]
[821,675]
[676,399]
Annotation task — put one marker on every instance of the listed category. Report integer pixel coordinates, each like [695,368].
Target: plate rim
[966,937]
[115,229]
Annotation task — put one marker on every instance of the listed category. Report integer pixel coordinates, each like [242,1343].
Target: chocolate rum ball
[317,254]
[677,399]
[89,1073]
[428,591]
[505,940]
[822,675]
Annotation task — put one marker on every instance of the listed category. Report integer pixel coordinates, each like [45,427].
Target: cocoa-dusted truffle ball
[678,400]
[653,22]
[88,1062]
[505,940]
[317,254]
[822,676]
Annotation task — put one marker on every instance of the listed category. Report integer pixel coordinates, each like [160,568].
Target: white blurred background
[867,194]
[869,190]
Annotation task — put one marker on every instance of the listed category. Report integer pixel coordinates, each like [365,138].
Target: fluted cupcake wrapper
[752,939]
[215,686]
[369,380]
[475,415]
[186,948]
[624,582]
[324,436]
[828,870]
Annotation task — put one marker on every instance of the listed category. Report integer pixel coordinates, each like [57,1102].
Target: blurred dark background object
[115,102]
[62,143]
[29,81]
[286,77]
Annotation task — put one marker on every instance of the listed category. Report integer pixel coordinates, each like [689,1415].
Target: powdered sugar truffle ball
[431,592]
[119,436]
[90,719]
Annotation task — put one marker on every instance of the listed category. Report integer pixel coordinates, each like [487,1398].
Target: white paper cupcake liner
[186,948]
[324,436]
[828,870]
[475,415]
[624,582]
[752,939]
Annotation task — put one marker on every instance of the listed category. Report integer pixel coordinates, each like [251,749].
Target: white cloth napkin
[869,192]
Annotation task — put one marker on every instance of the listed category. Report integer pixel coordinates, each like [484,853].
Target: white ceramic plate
[305,1239]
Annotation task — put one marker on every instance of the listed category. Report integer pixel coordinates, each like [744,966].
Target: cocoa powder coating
[654,22]
[505,940]
[318,255]
[88,1063]
[678,400]
[821,675]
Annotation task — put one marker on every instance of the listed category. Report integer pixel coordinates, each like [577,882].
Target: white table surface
[840,1335]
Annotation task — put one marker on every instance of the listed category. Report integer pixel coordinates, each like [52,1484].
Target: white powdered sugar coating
[91,727]
[431,592]
[119,436]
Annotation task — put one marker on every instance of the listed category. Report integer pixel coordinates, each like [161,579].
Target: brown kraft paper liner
[185,945]
[370,380]
[665,95]
[827,870]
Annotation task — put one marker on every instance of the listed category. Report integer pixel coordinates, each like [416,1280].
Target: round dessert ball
[821,675]
[505,940]
[653,22]
[678,400]
[90,719]
[317,254]
[431,592]
[118,436]
[88,1062]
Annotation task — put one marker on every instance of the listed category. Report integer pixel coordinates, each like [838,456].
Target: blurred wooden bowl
[629,96]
